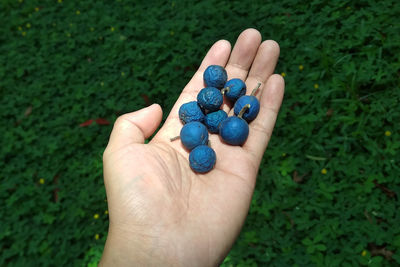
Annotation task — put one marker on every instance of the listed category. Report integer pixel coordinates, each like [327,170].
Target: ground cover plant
[328,188]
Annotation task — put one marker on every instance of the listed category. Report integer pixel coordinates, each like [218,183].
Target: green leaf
[396,241]
[310,249]
[320,247]
[307,241]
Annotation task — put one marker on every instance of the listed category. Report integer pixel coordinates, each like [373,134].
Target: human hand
[161,212]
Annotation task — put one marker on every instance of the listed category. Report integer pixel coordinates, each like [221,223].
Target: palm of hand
[155,199]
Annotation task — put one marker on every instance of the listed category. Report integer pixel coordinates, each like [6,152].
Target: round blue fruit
[190,111]
[210,98]
[194,134]
[237,88]
[215,76]
[250,113]
[202,159]
[234,131]
[213,119]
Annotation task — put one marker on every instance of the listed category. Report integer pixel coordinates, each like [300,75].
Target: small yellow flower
[78,12]
[41,181]
[23,33]
[324,171]
[19,28]
[316,86]
[388,133]
[96,216]
[106,212]
[112,29]
[283,74]
[364,253]
[28,25]
[60,1]
[36,9]
[301,67]
[171,33]
[91,29]
[122,73]
[97,236]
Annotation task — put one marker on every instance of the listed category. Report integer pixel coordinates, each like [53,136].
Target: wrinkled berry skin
[202,159]
[234,131]
[194,134]
[190,112]
[213,119]
[252,112]
[215,76]
[210,98]
[237,88]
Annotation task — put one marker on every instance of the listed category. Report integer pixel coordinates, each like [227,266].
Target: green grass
[328,189]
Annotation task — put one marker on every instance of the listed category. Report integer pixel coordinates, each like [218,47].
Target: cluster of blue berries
[205,115]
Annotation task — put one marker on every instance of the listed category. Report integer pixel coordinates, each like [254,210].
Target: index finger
[217,55]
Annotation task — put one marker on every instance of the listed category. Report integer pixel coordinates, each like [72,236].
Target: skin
[161,212]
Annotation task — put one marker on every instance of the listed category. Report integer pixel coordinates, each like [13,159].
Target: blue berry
[190,112]
[234,130]
[194,134]
[252,112]
[210,98]
[213,119]
[236,88]
[202,159]
[215,76]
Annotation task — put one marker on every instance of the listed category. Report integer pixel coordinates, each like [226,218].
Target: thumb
[135,127]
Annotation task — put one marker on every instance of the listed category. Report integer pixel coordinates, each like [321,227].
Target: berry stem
[255,89]
[243,110]
[174,138]
[225,90]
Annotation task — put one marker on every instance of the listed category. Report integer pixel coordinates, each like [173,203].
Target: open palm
[163,213]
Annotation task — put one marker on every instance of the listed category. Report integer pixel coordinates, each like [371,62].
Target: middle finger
[242,57]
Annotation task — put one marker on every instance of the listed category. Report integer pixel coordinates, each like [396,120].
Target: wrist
[131,249]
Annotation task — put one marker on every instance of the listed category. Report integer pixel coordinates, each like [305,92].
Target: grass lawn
[328,189]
